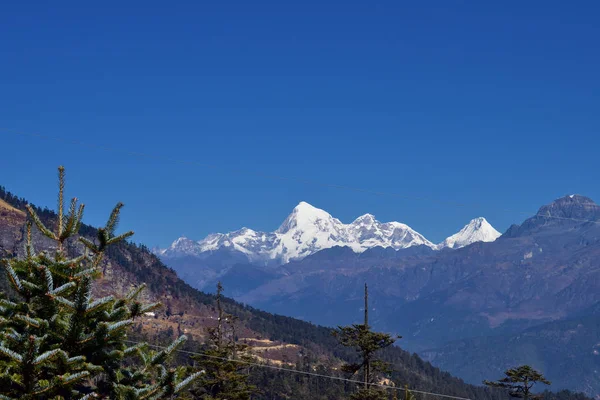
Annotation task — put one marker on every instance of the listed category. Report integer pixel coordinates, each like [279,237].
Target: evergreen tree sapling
[59,342]
[367,343]
[408,395]
[519,382]
[223,362]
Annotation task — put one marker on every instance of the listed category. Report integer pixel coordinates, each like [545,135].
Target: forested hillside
[277,340]
[485,297]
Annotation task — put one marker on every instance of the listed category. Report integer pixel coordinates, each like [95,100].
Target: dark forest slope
[187,310]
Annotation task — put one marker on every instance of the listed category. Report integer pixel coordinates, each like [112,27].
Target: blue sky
[491,104]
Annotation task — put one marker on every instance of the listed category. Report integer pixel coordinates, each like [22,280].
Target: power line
[274,177]
[285,178]
[246,172]
[301,372]
[293,179]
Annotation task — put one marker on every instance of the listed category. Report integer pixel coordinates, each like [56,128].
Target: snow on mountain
[478,230]
[309,229]
[370,233]
[180,247]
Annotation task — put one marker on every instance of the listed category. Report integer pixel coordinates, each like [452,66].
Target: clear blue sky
[494,104]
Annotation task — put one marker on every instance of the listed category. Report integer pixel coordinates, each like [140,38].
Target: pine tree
[519,382]
[223,361]
[367,343]
[59,342]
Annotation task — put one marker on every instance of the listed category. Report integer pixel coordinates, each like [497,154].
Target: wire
[274,177]
[294,179]
[300,372]
[566,218]
[245,171]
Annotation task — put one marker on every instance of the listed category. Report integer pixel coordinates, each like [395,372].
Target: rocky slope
[541,271]
[544,270]
[567,350]
[278,339]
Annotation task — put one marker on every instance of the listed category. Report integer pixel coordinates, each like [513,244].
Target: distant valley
[276,339]
[476,290]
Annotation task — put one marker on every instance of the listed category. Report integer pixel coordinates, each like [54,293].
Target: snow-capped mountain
[308,230]
[478,230]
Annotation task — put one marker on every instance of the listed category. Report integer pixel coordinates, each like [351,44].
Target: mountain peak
[573,206]
[303,205]
[181,239]
[364,219]
[182,245]
[305,231]
[564,212]
[478,222]
[306,210]
[303,216]
[574,198]
[477,230]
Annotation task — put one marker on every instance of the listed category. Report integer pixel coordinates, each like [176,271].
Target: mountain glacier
[308,230]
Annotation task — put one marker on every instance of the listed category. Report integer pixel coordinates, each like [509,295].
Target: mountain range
[277,339]
[519,297]
[531,296]
[308,230]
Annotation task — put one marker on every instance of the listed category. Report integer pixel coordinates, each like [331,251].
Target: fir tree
[367,343]
[59,342]
[223,362]
[519,382]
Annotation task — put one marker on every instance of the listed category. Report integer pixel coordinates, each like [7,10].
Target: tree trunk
[367,361]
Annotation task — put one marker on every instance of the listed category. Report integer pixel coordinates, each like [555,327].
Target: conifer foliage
[519,382]
[59,342]
[367,343]
[223,362]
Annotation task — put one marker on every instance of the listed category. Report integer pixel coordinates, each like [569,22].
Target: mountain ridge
[539,271]
[189,311]
[566,211]
[477,230]
[389,273]
[308,230]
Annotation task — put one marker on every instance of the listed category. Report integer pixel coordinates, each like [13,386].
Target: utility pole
[366,306]
[367,361]
[220,315]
